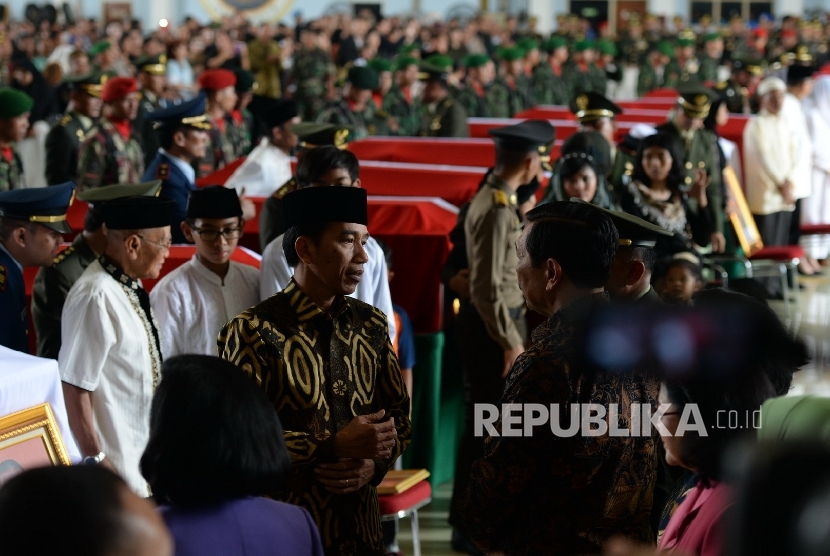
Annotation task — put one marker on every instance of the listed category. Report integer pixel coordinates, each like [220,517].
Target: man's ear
[636,270]
[187,231]
[132,243]
[304,247]
[179,138]
[553,274]
[19,236]
[356,183]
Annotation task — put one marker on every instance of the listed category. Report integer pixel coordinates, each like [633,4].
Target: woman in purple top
[216,446]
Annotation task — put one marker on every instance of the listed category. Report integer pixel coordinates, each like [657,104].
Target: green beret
[99,47]
[604,46]
[244,81]
[407,48]
[583,45]
[527,44]
[440,61]
[555,42]
[362,77]
[709,37]
[380,65]
[404,62]
[476,60]
[665,48]
[511,54]
[14,103]
[686,38]
[685,42]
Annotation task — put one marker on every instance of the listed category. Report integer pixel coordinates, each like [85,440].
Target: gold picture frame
[30,438]
[739,215]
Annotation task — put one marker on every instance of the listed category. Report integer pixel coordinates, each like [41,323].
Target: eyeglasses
[164,245]
[213,235]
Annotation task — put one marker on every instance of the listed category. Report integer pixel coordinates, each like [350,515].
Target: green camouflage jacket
[406,114]
[548,88]
[11,173]
[107,158]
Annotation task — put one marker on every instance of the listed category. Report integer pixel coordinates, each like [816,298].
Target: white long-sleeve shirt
[265,169]
[192,304]
[770,157]
[372,289]
[793,113]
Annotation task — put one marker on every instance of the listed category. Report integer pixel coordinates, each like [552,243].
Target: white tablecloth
[26,381]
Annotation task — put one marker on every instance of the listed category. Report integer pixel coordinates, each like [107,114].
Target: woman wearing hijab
[26,78]
[816,207]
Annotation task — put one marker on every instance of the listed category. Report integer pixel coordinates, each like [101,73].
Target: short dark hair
[94,219]
[214,436]
[320,160]
[581,238]
[671,144]
[81,504]
[645,255]
[509,159]
[695,269]
[166,133]
[313,231]
[9,225]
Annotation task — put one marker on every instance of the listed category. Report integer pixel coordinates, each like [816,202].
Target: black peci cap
[325,204]
[137,212]
[214,201]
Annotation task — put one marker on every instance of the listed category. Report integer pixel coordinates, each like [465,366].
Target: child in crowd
[194,302]
[682,279]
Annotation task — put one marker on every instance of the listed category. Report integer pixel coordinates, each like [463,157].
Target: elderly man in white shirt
[269,164]
[320,167]
[194,302]
[772,159]
[110,357]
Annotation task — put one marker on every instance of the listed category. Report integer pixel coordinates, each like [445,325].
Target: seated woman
[657,193]
[216,445]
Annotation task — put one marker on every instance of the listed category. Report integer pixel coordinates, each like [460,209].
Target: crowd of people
[226,384]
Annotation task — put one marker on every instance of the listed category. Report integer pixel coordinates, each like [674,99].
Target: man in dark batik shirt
[547,494]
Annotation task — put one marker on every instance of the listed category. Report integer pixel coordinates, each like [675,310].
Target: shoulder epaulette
[66,119]
[629,168]
[63,254]
[288,187]
[500,198]
[2,278]
[163,171]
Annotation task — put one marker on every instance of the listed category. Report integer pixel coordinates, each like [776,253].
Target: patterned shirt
[11,173]
[547,494]
[106,158]
[320,371]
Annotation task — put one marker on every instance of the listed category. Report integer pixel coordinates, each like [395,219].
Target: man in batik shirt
[326,362]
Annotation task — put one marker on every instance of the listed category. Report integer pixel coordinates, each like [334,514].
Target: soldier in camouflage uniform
[607,62]
[399,103]
[548,80]
[311,73]
[64,139]
[515,80]
[14,124]
[583,74]
[439,113]
[633,46]
[652,73]
[152,79]
[386,124]
[686,66]
[111,152]
[356,108]
[240,121]
[737,90]
[711,59]
[482,97]
[220,87]
[700,151]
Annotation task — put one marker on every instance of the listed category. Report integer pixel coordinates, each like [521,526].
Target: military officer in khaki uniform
[52,283]
[491,327]
[700,151]
[439,113]
[152,79]
[64,139]
[738,89]
[14,124]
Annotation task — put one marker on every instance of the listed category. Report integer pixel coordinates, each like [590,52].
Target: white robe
[192,304]
[815,209]
[266,169]
[372,289]
[770,158]
[793,114]
[106,350]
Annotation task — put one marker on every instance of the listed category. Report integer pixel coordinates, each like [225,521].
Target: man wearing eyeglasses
[110,356]
[194,302]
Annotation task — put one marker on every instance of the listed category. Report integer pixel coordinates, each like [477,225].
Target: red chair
[407,503]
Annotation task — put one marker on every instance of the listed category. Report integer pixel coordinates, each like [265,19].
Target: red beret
[788,33]
[215,79]
[117,88]
[760,32]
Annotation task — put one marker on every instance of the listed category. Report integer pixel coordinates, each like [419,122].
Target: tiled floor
[811,320]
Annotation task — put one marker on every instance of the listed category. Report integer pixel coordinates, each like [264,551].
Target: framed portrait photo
[748,235]
[30,438]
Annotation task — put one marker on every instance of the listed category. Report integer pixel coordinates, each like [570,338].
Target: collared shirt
[193,303]
[771,156]
[321,370]
[372,289]
[549,493]
[186,168]
[265,169]
[109,349]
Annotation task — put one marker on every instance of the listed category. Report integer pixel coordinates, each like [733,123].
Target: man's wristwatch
[94,460]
